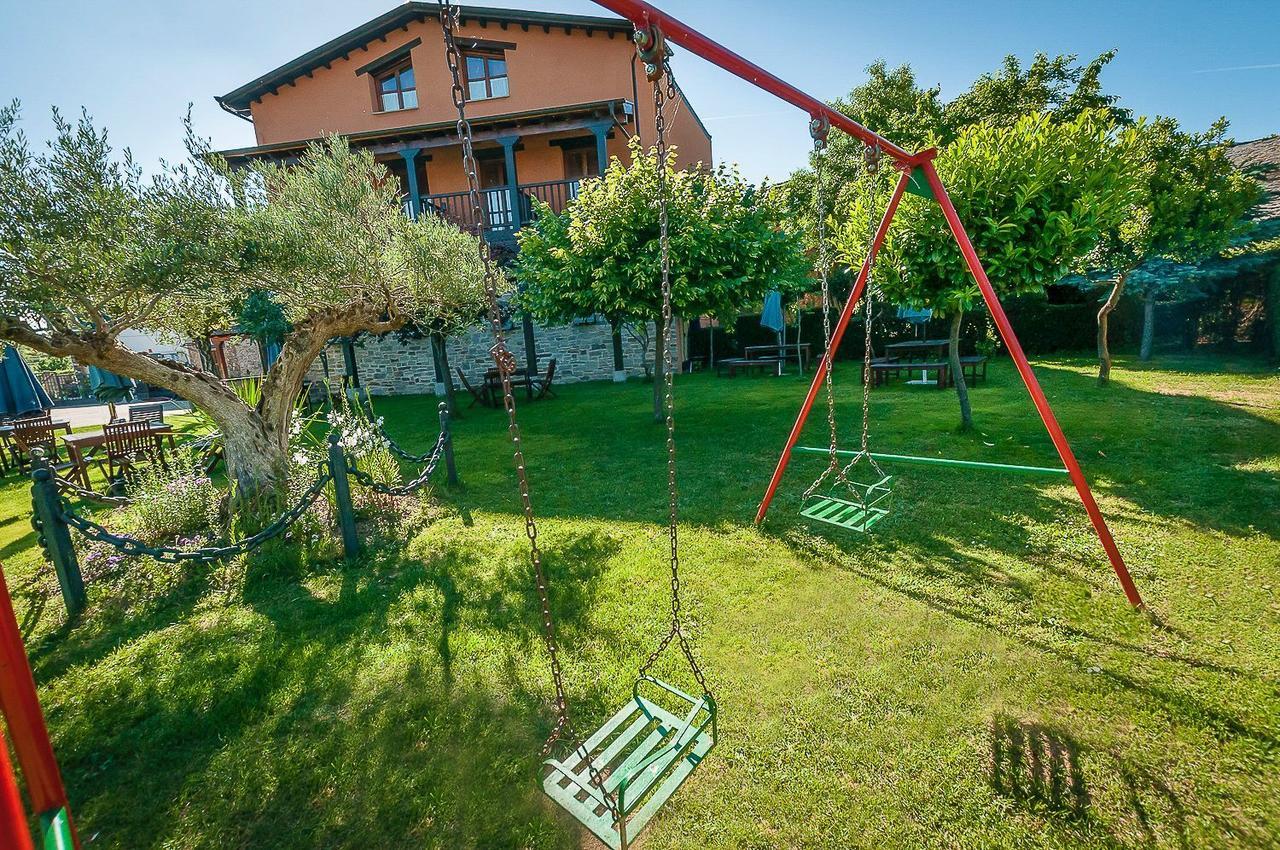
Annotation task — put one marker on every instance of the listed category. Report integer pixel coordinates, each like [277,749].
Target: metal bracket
[651,45]
[819,129]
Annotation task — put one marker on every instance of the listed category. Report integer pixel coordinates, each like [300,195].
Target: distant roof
[238,100]
[1261,159]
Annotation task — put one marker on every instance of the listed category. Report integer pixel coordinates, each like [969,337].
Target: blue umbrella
[915,315]
[20,391]
[771,316]
[99,378]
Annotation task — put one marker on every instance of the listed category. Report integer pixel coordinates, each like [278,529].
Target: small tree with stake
[1192,205]
[1036,195]
[89,248]
[728,248]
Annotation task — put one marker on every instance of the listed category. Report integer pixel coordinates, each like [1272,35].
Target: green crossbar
[940,461]
[650,752]
[55,827]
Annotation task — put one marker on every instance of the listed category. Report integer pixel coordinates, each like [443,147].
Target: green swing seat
[852,514]
[643,754]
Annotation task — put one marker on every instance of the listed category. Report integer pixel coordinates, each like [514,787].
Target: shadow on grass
[1037,766]
[335,710]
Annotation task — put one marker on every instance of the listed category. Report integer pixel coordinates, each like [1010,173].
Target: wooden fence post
[451,468]
[54,535]
[342,495]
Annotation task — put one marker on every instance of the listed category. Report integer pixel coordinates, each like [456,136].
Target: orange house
[551,99]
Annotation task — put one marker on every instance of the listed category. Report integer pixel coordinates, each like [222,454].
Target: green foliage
[729,246]
[41,362]
[173,501]
[1192,206]
[260,317]
[1034,196]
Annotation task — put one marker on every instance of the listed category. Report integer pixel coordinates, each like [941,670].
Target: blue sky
[136,65]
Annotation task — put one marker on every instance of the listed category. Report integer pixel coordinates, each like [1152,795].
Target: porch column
[600,129]
[415,198]
[509,156]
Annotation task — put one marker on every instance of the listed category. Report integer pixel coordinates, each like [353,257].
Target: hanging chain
[506,365]
[819,128]
[871,163]
[661,95]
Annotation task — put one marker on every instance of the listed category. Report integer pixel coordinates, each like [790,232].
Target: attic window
[396,89]
[487,75]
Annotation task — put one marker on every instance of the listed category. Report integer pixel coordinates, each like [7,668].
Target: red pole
[642,15]
[13,818]
[21,708]
[1033,385]
[837,334]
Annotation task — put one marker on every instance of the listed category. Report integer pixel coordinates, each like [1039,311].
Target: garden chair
[31,434]
[127,445]
[481,395]
[544,383]
[146,413]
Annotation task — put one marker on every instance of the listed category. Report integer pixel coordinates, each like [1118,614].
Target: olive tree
[1034,196]
[89,248]
[729,247]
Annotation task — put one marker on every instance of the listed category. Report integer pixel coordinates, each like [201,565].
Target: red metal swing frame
[919,165]
[30,738]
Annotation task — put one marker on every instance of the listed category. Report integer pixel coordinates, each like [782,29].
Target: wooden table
[77,444]
[924,349]
[733,364]
[521,378]
[798,351]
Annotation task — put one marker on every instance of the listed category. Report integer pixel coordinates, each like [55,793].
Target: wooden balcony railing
[501,218]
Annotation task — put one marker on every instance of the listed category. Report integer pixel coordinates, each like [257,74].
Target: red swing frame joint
[913,167]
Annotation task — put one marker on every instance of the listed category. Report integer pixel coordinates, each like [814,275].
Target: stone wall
[583,352]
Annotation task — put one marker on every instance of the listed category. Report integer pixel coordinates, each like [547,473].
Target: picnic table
[520,378]
[798,352]
[732,365]
[931,350]
[81,444]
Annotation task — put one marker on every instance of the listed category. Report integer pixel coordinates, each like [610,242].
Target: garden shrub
[174,500]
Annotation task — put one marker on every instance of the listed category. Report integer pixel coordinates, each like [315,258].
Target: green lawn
[968,676]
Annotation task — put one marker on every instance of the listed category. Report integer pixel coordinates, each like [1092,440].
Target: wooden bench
[733,364]
[974,367]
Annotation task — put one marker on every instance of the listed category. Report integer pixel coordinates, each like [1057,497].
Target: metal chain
[506,365]
[429,455]
[819,128]
[68,486]
[409,486]
[660,98]
[207,554]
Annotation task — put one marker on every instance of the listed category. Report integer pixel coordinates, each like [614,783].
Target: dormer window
[396,89]
[486,75]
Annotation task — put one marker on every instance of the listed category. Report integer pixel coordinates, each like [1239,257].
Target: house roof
[1261,159]
[237,101]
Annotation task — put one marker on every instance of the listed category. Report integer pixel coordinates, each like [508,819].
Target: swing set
[616,779]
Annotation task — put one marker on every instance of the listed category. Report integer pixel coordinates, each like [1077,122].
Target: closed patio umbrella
[20,390]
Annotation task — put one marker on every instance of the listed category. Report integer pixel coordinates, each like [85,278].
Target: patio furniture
[126,445]
[146,413]
[82,447]
[798,352]
[29,435]
[732,365]
[882,368]
[974,367]
[544,383]
[481,395]
[932,350]
[493,380]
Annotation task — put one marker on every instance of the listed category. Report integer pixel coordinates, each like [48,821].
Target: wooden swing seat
[851,514]
[644,753]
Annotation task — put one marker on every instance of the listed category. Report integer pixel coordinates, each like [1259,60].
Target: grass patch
[967,676]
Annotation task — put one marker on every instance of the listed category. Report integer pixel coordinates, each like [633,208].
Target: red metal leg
[1033,385]
[819,374]
[21,708]
[13,818]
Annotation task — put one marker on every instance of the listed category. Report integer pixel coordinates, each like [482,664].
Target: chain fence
[432,458]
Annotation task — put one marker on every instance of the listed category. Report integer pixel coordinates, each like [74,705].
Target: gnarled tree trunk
[1104,350]
[1148,325]
[254,461]
[957,373]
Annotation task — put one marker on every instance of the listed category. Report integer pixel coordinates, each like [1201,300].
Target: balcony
[503,211]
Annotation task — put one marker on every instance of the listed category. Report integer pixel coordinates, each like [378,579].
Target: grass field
[968,676]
